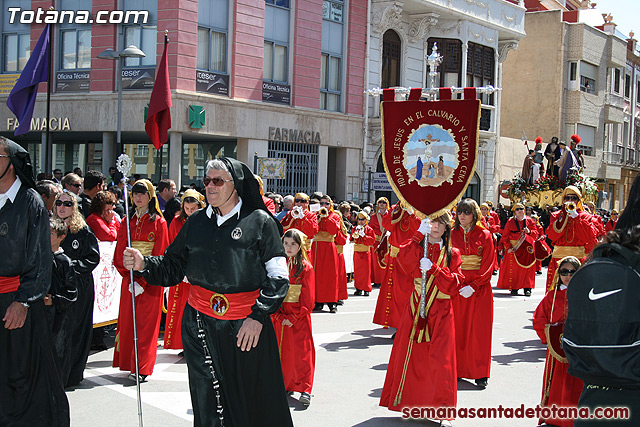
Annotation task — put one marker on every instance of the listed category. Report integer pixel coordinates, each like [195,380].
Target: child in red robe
[422,367]
[363,238]
[178,294]
[292,321]
[558,387]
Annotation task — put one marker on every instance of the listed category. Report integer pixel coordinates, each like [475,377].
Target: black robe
[82,248]
[64,292]
[251,385]
[31,391]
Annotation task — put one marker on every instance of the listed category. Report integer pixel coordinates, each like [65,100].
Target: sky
[626,14]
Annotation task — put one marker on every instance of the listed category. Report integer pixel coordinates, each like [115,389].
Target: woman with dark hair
[422,367]
[558,387]
[178,294]
[102,219]
[150,236]
[292,321]
[474,308]
[81,246]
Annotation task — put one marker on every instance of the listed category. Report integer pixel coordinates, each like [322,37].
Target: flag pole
[48,155]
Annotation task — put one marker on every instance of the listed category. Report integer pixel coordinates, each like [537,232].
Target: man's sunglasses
[519,209]
[566,272]
[66,203]
[300,201]
[75,185]
[217,181]
[571,198]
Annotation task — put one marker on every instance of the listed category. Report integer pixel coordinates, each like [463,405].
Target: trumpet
[323,212]
[570,207]
[297,212]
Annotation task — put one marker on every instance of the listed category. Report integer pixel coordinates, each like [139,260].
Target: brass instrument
[570,207]
[323,212]
[297,212]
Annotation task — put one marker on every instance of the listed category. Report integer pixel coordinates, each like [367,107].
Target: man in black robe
[31,392]
[232,255]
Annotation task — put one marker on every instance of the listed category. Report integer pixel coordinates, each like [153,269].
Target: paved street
[352,356]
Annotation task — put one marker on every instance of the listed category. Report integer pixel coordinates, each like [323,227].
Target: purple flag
[22,98]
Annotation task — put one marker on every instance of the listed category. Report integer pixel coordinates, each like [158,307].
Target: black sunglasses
[466,212]
[75,185]
[325,204]
[66,203]
[519,209]
[571,197]
[300,201]
[566,272]
[217,181]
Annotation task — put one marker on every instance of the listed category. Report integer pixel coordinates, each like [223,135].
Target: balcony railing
[611,157]
[614,100]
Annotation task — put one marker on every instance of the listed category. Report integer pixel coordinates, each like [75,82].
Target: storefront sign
[138,78]
[380,182]
[207,82]
[7,81]
[76,81]
[276,93]
[40,124]
[294,135]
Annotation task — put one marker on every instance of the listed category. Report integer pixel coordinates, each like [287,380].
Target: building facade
[572,75]
[473,37]
[249,79]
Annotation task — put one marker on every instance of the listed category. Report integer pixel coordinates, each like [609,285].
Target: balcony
[611,158]
[613,108]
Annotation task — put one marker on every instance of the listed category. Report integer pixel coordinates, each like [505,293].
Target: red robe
[578,231]
[378,266]
[611,225]
[512,275]
[430,379]
[362,258]
[474,315]
[325,259]
[176,300]
[493,226]
[308,225]
[270,204]
[597,224]
[297,352]
[542,236]
[104,232]
[564,389]
[395,291]
[341,240]
[152,238]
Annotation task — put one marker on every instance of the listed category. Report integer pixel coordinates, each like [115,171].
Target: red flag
[159,115]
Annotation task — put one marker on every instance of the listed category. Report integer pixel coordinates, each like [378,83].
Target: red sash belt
[222,306]
[9,284]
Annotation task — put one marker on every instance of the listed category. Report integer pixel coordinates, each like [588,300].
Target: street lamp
[129,52]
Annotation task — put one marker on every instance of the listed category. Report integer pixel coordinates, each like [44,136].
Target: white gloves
[425,226]
[573,214]
[466,291]
[409,210]
[138,289]
[425,264]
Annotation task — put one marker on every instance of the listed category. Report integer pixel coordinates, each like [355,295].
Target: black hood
[631,214]
[21,161]
[247,187]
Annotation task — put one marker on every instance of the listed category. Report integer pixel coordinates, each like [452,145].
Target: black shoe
[366,294]
[527,292]
[318,307]
[357,293]
[305,398]
[340,302]
[495,272]
[539,272]
[482,382]
[141,378]
[333,309]
[181,354]
[289,393]
[376,285]
[514,292]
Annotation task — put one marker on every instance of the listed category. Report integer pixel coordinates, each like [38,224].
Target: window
[627,86]
[616,80]
[142,150]
[332,10]
[76,49]
[449,71]
[212,50]
[587,136]
[391,48]
[280,3]
[480,69]
[573,71]
[16,51]
[144,38]
[330,83]
[588,75]
[275,62]
[638,92]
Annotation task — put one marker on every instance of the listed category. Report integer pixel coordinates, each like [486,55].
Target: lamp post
[129,52]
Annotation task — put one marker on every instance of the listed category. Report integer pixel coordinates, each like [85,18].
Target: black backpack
[602,330]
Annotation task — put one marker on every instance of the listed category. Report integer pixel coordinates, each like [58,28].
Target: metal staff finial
[123,164]
[434,60]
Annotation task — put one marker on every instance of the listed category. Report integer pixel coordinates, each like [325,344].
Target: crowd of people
[246,269]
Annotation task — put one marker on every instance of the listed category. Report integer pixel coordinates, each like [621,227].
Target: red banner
[429,150]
